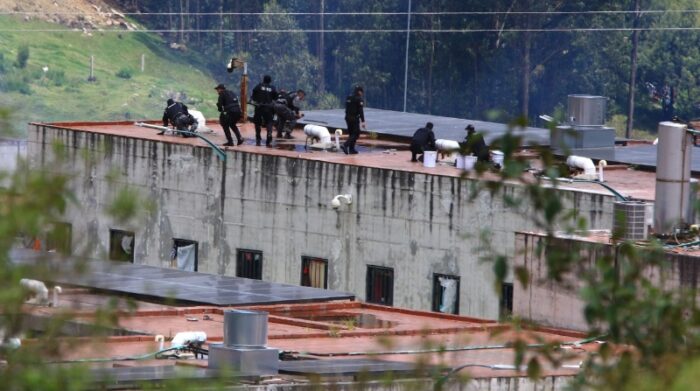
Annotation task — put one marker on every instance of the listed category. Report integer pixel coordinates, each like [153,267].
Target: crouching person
[176,114]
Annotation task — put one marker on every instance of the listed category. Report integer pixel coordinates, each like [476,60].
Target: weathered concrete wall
[559,305]
[416,223]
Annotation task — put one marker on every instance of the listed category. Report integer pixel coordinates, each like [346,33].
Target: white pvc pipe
[319,132]
[187,337]
[201,121]
[161,341]
[446,145]
[601,164]
[584,163]
[338,132]
[54,299]
[38,290]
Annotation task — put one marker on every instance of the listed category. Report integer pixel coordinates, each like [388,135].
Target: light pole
[408,40]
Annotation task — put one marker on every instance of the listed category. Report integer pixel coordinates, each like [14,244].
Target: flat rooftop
[320,338]
[374,153]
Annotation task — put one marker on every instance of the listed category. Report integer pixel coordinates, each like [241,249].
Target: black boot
[268,142]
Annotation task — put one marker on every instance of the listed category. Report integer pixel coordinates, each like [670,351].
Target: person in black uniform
[177,115]
[474,143]
[288,111]
[264,94]
[423,140]
[230,113]
[354,117]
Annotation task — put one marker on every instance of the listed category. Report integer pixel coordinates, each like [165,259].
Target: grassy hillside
[121,91]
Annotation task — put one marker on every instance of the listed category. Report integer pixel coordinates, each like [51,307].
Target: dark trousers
[228,122]
[416,150]
[262,114]
[353,132]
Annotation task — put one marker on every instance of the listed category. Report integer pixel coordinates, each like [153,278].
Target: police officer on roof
[288,111]
[177,115]
[264,94]
[423,140]
[354,117]
[230,113]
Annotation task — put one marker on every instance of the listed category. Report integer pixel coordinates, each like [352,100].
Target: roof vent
[244,350]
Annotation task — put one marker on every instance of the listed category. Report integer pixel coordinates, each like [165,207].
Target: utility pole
[408,40]
[92,69]
[633,71]
[143,62]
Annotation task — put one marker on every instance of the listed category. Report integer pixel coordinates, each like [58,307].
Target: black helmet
[267,79]
[170,101]
[429,125]
[358,88]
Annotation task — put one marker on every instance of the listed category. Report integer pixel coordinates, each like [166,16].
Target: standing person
[263,95]
[354,118]
[177,115]
[423,140]
[474,143]
[230,113]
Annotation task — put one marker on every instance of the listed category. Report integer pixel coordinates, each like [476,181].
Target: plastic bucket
[459,161]
[429,158]
[497,157]
[469,162]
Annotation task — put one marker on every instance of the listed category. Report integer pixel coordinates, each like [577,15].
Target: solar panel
[396,123]
[196,287]
[345,367]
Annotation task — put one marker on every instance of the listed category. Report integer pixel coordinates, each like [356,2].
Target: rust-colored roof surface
[374,153]
[321,331]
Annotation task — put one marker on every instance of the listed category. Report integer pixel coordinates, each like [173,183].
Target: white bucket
[469,162]
[429,158]
[459,161]
[497,157]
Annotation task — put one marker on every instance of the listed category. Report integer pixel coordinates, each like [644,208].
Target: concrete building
[317,344]
[266,213]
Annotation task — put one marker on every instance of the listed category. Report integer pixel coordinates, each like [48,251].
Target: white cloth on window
[185,258]
[127,244]
[449,294]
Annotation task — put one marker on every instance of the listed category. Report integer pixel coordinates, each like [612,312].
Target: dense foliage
[466,58]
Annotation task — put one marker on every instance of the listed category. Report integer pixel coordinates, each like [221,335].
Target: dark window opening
[446,293]
[59,238]
[380,285]
[249,264]
[121,245]
[314,272]
[506,305]
[184,255]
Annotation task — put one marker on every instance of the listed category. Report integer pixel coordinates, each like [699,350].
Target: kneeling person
[423,140]
[177,115]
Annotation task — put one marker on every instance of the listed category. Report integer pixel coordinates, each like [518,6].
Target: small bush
[124,73]
[22,56]
[15,83]
[57,77]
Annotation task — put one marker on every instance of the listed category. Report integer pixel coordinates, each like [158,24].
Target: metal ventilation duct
[586,110]
[244,350]
[673,191]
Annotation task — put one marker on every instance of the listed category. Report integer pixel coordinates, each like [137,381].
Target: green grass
[64,94]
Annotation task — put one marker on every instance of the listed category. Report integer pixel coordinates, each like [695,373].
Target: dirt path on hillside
[82,14]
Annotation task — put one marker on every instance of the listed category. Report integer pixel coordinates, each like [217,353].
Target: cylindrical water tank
[673,192]
[586,110]
[244,328]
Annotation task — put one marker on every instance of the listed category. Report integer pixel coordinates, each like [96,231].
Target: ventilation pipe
[189,338]
[336,201]
[320,133]
[338,133]
[444,145]
[672,207]
[201,121]
[601,164]
[244,350]
[54,297]
[584,164]
[38,293]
